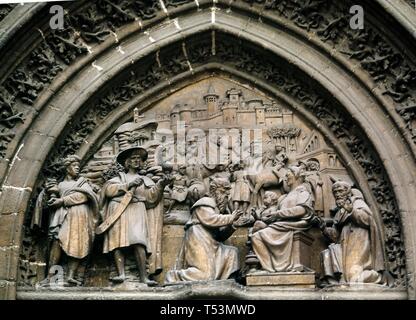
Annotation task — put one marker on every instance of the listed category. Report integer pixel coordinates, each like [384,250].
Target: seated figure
[273,244]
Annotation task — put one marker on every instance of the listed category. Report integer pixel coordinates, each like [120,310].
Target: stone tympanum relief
[217,181]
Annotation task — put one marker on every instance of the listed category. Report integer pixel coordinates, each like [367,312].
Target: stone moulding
[219,289]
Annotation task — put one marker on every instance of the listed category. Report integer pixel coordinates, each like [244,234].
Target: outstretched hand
[237,214]
[166,180]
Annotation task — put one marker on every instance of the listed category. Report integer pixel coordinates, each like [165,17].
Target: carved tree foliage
[283,131]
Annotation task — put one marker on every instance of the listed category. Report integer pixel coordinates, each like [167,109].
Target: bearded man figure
[273,241]
[355,253]
[203,256]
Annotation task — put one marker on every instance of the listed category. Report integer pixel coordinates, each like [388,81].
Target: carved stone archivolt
[86,31]
[5,9]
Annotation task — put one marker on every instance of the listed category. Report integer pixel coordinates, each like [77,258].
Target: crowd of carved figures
[281,201]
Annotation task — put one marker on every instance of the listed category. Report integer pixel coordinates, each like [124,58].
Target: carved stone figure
[74,215]
[241,193]
[203,256]
[273,244]
[313,177]
[179,187]
[355,253]
[270,204]
[124,203]
[272,174]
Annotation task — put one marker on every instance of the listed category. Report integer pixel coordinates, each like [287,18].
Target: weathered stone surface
[13,199]
[302,249]
[9,257]
[171,244]
[8,229]
[289,279]
[219,289]
[7,290]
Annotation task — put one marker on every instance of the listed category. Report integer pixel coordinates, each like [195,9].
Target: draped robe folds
[155,223]
[133,226]
[74,223]
[241,191]
[358,255]
[273,245]
[201,256]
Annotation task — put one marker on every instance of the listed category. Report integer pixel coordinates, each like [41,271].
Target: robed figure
[74,214]
[203,256]
[125,202]
[273,241]
[356,252]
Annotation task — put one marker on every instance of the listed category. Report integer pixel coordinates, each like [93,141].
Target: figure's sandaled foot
[74,282]
[118,279]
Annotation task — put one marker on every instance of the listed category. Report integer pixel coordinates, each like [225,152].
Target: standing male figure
[124,200]
[74,215]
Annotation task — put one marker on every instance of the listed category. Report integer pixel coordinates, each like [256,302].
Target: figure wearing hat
[124,202]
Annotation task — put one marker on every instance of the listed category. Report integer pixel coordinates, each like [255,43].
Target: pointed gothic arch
[280,60]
